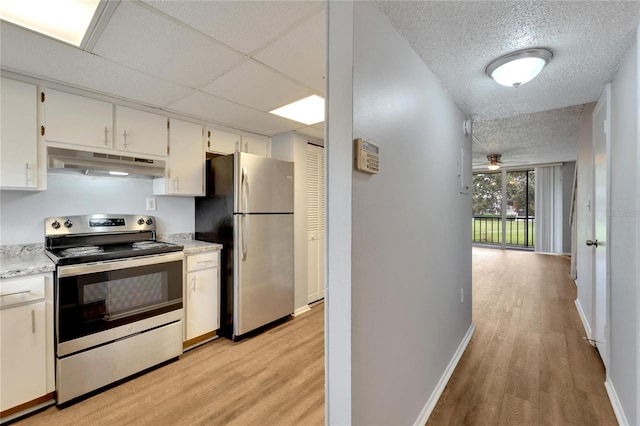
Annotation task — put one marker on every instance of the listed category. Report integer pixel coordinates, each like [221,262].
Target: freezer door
[262,185]
[263,256]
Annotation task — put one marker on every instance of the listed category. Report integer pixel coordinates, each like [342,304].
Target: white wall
[584,218]
[624,356]
[22,213]
[292,146]
[410,228]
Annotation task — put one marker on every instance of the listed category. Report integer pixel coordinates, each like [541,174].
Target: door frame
[603,101]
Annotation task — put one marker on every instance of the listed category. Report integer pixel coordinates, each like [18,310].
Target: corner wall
[411,233]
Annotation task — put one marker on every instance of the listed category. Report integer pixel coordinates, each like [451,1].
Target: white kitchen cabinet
[141,132]
[315,222]
[202,297]
[19,135]
[184,174]
[221,142]
[255,146]
[78,120]
[26,350]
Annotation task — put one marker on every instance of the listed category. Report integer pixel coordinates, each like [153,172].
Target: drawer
[14,291]
[202,260]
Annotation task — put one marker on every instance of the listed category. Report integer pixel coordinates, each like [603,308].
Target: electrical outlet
[151,204]
[462,295]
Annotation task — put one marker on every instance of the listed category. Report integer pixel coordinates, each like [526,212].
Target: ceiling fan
[494,162]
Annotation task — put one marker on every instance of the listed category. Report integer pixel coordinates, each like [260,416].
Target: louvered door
[315,222]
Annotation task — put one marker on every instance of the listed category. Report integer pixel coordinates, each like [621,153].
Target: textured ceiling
[458,39]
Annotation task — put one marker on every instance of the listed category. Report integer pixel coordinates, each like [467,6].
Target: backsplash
[22,213]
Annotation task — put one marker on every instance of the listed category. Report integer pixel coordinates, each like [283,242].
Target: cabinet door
[186,159]
[78,120]
[23,357]
[222,142]
[202,311]
[140,132]
[19,135]
[255,146]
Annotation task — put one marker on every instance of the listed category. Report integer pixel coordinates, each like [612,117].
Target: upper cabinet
[18,135]
[221,142]
[78,120]
[185,169]
[255,146]
[140,132]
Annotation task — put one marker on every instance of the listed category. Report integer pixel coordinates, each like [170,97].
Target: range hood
[60,159]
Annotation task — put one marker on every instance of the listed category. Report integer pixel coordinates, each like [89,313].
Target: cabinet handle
[26,173]
[246,147]
[204,261]
[33,321]
[125,138]
[176,184]
[105,136]
[193,284]
[15,292]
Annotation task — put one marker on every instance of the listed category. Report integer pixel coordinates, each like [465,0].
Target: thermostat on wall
[367,156]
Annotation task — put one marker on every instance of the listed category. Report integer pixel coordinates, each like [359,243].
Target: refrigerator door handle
[244,236]
[245,190]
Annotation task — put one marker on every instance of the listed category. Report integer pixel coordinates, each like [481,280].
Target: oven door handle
[90,268]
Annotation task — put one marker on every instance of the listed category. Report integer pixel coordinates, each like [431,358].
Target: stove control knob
[55,224]
[68,223]
[141,221]
[149,221]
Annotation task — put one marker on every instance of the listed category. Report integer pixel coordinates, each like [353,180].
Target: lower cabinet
[26,342]
[202,297]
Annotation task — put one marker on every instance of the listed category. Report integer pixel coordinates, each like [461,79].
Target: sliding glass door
[503,208]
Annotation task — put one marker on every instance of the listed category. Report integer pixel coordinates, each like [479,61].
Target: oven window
[95,302]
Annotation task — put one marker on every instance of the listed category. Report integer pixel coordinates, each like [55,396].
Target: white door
[600,206]
[315,223]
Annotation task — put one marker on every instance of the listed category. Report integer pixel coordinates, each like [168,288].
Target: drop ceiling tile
[243,25]
[211,108]
[300,53]
[24,51]
[139,37]
[256,86]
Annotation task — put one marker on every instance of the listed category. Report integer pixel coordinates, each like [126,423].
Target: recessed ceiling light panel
[307,111]
[65,20]
[518,68]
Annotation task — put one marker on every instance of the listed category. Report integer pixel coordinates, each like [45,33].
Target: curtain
[548,209]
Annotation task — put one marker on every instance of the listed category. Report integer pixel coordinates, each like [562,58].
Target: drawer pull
[205,261]
[33,321]
[15,292]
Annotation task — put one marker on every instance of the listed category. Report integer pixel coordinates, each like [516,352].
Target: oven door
[98,302]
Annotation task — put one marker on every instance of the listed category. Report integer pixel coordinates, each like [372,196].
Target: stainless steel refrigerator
[248,208]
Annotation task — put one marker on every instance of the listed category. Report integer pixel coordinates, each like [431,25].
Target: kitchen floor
[276,377]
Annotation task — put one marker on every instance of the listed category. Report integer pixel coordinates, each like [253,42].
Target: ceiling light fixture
[65,20]
[517,68]
[494,160]
[307,111]
[114,173]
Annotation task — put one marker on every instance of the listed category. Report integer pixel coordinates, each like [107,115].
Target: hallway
[527,362]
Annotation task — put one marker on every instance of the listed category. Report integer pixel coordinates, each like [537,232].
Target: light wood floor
[527,362]
[275,378]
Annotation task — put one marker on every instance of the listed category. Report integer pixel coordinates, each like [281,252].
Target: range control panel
[97,223]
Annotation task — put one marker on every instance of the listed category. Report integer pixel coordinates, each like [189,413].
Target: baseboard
[442,383]
[301,310]
[583,318]
[615,403]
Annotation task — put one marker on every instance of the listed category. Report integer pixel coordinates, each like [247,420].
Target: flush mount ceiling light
[66,20]
[307,111]
[517,68]
[494,160]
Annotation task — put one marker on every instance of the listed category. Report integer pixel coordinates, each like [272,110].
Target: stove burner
[81,251]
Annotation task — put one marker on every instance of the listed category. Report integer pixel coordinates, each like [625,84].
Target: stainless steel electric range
[118,299]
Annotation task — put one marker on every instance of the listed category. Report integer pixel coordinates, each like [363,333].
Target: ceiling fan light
[493,166]
[518,68]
